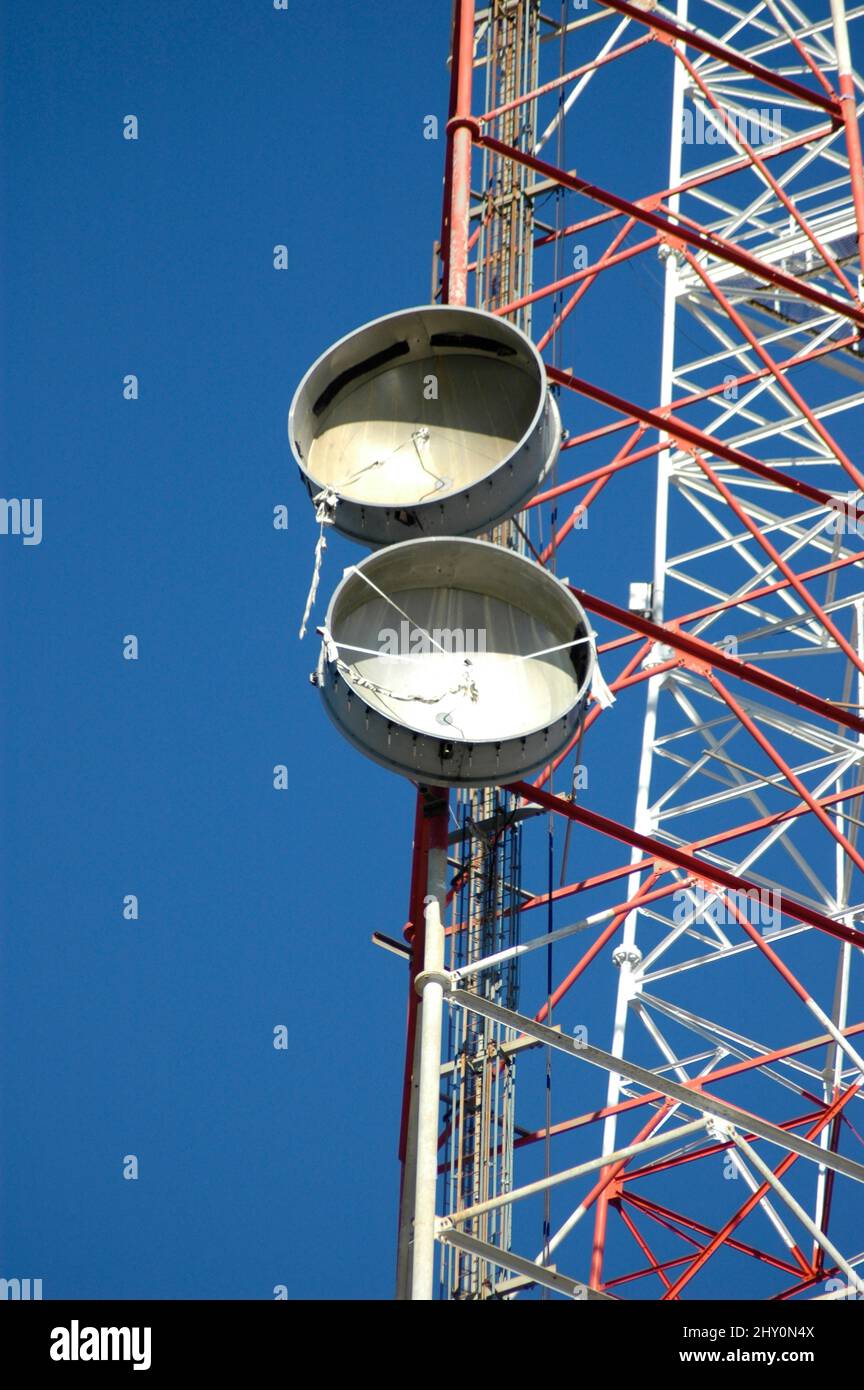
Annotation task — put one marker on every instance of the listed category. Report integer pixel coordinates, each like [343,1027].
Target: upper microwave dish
[434,421]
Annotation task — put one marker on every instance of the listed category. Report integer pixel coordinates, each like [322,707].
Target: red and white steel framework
[718,1117]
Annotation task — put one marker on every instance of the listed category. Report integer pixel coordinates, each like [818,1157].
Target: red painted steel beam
[694,647]
[849,116]
[610,1175]
[783,767]
[751,595]
[703,43]
[643,895]
[722,837]
[699,180]
[696,398]
[712,1150]
[760,163]
[459,128]
[605,471]
[431,831]
[550,551]
[600,61]
[812,65]
[608,260]
[677,231]
[668,854]
[658,1212]
[763,1190]
[784,384]
[849,100]
[667,423]
[587,282]
[623,1107]
[831,628]
[655,1267]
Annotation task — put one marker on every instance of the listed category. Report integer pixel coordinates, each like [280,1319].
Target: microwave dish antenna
[455,662]
[434,421]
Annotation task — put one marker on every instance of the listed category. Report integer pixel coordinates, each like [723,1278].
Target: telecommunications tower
[635,1046]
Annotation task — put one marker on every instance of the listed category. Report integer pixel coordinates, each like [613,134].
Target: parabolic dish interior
[430,421]
[455,662]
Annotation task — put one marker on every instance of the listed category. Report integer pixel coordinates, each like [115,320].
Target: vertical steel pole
[420,1169]
[430,871]
[459,131]
[408,1127]
[428,1105]
[849,104]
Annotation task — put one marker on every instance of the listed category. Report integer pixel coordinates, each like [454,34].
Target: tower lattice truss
[689,1029]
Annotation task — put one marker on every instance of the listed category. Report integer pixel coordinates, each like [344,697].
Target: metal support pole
[432,827]
[431,989]
[459,131]
[849,107]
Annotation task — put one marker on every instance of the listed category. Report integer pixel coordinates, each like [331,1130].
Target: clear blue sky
[154,777]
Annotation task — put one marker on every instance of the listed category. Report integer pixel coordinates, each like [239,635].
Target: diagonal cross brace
[682,859]
[703,43]
[643,1076]
[689,645]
